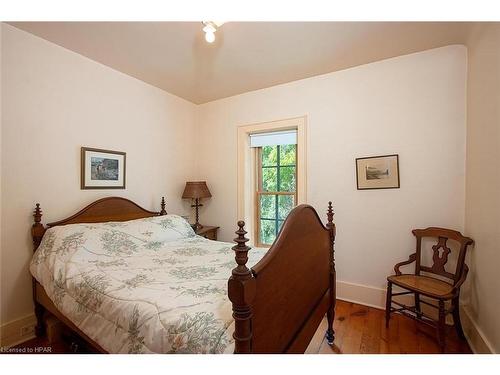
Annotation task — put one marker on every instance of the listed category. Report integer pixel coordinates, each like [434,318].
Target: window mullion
[259,188]
[278,181]
[278,188]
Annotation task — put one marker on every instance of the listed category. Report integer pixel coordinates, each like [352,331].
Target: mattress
[142,286]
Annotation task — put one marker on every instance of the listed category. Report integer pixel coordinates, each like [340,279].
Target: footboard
[279,303]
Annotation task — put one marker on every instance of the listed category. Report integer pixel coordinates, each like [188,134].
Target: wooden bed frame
[277,305]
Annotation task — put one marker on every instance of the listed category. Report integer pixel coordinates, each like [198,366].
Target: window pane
[287,154]
[269,179]
[273,209]
[267,231]
[287,179]
[269,155]
[268,206]
[285,205]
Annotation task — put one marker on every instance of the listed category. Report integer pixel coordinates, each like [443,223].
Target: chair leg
[388,303]
[417,305]
[441,326]
[456,318]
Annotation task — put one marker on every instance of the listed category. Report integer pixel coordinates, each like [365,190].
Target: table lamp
[196,190]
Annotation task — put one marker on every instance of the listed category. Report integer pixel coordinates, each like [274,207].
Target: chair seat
[424,285]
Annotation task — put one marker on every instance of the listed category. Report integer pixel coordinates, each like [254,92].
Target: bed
[129,280]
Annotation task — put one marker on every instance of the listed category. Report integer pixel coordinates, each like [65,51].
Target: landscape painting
[377,172]
[102,169]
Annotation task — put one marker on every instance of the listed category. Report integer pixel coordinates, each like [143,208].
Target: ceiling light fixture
[210,27]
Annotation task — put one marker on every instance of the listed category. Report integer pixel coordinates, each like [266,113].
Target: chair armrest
[459,283]
[411,259]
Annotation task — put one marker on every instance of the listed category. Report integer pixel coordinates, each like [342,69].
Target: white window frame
[247,161]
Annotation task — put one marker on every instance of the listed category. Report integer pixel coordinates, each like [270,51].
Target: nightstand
[208,232]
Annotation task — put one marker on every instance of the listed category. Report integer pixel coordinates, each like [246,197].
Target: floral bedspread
[141,286]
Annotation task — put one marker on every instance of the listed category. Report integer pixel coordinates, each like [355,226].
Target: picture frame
[378,172]
[102,169]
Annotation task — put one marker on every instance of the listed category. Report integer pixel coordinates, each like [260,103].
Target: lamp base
[196,226]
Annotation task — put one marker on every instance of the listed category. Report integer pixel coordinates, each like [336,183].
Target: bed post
[330,314]
[163,211]
[241,292]
[37,231]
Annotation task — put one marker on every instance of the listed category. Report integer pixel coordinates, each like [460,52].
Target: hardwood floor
[361,330]
[358,330]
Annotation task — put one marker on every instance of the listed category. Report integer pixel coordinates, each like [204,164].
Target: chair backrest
[440,260]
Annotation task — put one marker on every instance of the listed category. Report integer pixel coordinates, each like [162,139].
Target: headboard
[102,210]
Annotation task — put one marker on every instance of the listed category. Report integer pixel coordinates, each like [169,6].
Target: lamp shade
[196,189]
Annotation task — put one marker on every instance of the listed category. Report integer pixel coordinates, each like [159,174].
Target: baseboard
[17,331]
[478,342]
[362,294]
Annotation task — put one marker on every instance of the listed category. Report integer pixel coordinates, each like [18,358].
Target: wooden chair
[421,283]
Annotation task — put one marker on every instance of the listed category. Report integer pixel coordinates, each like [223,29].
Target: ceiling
[245,56]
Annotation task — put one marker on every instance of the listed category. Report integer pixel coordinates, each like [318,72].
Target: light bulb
[209,36]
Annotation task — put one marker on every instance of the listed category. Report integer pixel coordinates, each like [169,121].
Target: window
[276,192]
[252,139]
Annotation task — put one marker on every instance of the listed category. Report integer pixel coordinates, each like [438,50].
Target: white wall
[54,101]
[482,220]
[412,105]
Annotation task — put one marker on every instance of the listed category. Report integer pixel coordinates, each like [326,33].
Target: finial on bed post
[241,292]
[37,214]
[37,229]
[330,334]
[163,211]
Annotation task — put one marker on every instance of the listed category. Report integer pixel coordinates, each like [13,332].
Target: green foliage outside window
[278,175]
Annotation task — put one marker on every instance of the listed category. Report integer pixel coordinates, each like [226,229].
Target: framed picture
[102,169]
[377,172]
